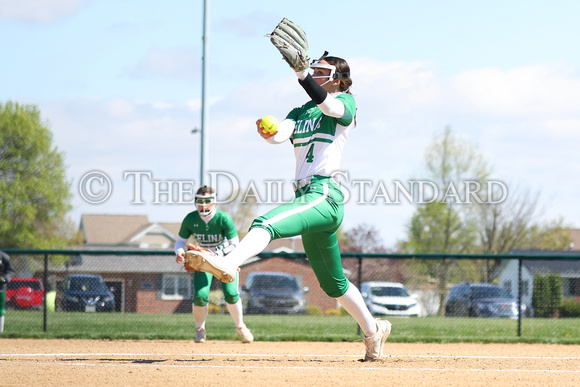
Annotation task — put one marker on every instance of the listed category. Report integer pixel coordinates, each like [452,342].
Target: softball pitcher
[317,131]
[213,230]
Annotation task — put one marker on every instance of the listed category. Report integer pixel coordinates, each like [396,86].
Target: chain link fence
[429,296]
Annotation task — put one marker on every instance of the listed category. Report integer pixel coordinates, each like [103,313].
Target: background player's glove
[291,41]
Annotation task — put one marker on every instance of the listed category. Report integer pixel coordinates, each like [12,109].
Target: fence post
[520,297]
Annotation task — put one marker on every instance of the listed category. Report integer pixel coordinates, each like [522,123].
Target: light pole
[204,109]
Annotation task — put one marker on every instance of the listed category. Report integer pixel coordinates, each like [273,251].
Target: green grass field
[28,324]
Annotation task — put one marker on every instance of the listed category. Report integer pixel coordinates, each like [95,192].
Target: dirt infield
[183,363]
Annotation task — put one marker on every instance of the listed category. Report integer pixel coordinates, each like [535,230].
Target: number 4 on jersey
[310,154]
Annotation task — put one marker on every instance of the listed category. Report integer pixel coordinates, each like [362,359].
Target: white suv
[390,299]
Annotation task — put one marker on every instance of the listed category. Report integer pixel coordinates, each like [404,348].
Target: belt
[308,180]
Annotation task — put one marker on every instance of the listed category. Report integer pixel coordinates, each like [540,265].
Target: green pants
[2,303]
[316,214]
[201,286]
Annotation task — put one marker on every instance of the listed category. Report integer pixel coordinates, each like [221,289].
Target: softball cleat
[374,344]
[245,334]
[200,335]
[209,262]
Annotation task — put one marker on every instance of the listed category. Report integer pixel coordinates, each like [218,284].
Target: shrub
[214,309]
[215,297]
[547,295]
[313,310]
[343,312]
[570,308]
[332,312]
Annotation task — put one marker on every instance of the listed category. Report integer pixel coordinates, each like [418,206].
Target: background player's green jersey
[212,235]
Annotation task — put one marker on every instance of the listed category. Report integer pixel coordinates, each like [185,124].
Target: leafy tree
[437,228]
[443,225]
[459,221]
[34,191]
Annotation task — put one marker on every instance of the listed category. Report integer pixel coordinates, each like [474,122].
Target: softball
[269,124]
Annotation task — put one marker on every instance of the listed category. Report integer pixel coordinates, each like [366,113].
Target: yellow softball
[269,124]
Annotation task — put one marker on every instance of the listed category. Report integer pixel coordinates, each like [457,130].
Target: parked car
[273,293]
[25,293]
[481,300]
[389,299]
[87,293]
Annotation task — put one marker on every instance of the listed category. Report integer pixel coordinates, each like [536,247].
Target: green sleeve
[349,108]
[185,231]
[229,228]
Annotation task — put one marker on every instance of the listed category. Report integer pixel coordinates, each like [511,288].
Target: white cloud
[542,89]
[400,107]
[564,128]
[39,11]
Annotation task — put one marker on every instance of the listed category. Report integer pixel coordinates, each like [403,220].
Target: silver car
[389,299]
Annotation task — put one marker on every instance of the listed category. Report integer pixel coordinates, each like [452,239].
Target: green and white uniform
[6,273]
[317,210]
[212,235]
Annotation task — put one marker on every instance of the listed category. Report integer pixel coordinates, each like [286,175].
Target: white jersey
[319,139]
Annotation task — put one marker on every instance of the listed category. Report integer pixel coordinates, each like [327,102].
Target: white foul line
[386,368]
[259,355]
[157,365]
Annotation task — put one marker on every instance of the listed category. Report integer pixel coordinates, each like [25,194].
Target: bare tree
[363,238]
[516,223]
[243,211]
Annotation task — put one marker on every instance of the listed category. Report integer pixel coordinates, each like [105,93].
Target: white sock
[236,313]
[354,304]
[1,323]
[199,315]
[253,243]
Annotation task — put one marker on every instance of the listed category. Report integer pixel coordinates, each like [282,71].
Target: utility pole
[204,108]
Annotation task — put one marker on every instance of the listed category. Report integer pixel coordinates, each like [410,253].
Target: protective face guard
[205,203]
[333,74]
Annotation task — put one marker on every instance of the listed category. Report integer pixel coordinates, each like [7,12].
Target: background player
[213,230]
[318,131]
[6,273]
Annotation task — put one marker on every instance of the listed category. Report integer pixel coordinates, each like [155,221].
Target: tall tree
[459,222]
[34,191]
[441,226]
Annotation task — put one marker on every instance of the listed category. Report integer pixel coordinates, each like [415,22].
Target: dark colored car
[273,293]
[481,300]
[87,293]
[25,293]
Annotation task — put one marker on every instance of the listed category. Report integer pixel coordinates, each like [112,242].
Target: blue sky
[119,84]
